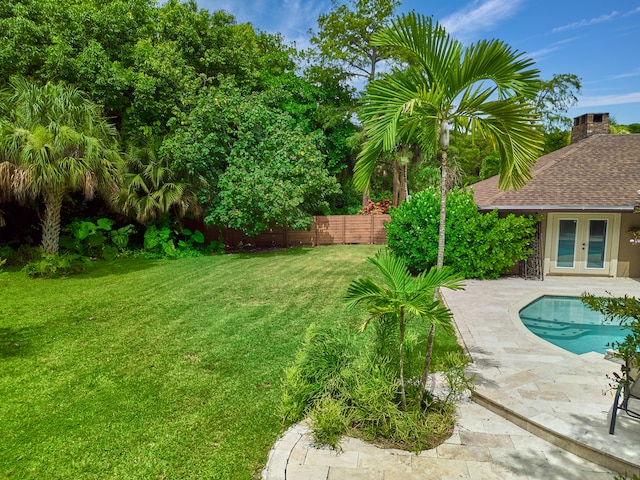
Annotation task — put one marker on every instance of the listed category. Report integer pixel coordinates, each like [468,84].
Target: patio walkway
[540,412]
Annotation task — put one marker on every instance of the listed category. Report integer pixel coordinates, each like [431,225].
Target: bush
[20,257]
[52,265]
[346,384]
[96,240]
[477,245]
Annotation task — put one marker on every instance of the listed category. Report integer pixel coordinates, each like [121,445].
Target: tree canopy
[255,164]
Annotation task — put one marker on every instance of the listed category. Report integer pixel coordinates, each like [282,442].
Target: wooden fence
[325,230]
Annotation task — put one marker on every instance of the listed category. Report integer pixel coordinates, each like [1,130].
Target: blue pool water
[570,324]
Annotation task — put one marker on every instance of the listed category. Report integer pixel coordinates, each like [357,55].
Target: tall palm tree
[486,88]
[53,141]
[149,188]
[400,297]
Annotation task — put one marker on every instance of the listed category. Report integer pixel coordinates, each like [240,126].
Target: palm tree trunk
[396,184]
[405,182]
[427,364]
[51,221]
[403,395]
[443,209]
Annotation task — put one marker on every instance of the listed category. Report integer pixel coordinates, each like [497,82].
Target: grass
[160,369]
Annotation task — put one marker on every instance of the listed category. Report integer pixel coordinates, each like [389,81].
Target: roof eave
[568,208]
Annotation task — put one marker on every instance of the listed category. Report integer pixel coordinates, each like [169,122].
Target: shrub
[161,241]
[97,240]
[53,265]
[476,245]
[344,385]
[20,257]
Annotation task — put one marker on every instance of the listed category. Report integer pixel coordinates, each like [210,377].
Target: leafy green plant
[3,275]
[626,311]
[342,388]
[20,256]
[53,265]
[316,371]
[98,239]
[164,242]
[330,420]
[479,245]
[401,297]
[458,382]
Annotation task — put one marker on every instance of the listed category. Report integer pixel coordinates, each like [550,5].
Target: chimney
[589,124]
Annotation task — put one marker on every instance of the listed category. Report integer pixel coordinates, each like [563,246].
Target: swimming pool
[570,324]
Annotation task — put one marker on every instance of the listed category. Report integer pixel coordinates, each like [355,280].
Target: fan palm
[486,88]
[400,297]
[54,141]
[149,190]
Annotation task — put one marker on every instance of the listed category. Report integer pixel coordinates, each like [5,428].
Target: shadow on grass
[280,252]
[16,342]
[103,268]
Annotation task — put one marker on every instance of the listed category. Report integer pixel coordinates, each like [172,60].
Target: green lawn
[159,369]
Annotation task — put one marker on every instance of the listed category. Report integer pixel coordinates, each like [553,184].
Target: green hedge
[477,245]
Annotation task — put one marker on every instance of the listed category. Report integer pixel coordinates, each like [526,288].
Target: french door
[583,243]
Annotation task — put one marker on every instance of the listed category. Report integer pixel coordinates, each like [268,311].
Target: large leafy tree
[138,58]
[400,297]
[54,141]
[343,51]
[259,166]
[344,39]
[487,88]
[554,98]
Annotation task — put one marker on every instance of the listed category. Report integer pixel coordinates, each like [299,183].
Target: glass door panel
[566,243]
[597,242]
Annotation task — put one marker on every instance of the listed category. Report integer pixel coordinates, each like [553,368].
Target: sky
[594,39]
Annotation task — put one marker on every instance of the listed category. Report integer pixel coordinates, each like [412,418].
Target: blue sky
[594,39]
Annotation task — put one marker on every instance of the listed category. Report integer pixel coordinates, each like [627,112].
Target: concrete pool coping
[559,396]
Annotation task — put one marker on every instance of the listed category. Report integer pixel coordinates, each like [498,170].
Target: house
[586,195]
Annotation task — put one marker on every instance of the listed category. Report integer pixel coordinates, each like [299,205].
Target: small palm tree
[400,297]
[54,141]
[149,189]
[486,88]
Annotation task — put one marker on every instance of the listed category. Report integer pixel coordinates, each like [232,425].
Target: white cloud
[634,73]
[632,12]
[587,23]
[479,16]
[543,52]
[602,100]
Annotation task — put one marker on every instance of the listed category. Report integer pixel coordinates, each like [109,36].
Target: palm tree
[486,88]
[54,141]
[400,297]
[149,190]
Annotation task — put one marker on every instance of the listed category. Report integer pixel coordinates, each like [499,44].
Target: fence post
[314,241]
[372,224]
[344,230]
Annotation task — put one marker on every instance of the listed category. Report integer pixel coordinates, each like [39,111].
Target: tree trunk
[403,395]
[443,210]
[50,221]
[365,199]
[396,184]
[427,364]
[405,183]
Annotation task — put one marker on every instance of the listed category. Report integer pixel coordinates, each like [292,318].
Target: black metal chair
[628,390]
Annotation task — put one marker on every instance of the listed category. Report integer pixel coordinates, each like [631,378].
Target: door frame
[611,249]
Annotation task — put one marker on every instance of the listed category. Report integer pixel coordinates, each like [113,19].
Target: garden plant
[375,385]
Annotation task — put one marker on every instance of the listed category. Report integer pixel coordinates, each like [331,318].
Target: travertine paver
[484,446]
[556,392]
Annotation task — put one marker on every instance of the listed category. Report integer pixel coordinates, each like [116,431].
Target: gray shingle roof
[600,172]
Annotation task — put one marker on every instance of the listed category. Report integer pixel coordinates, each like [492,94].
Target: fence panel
[325,230]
